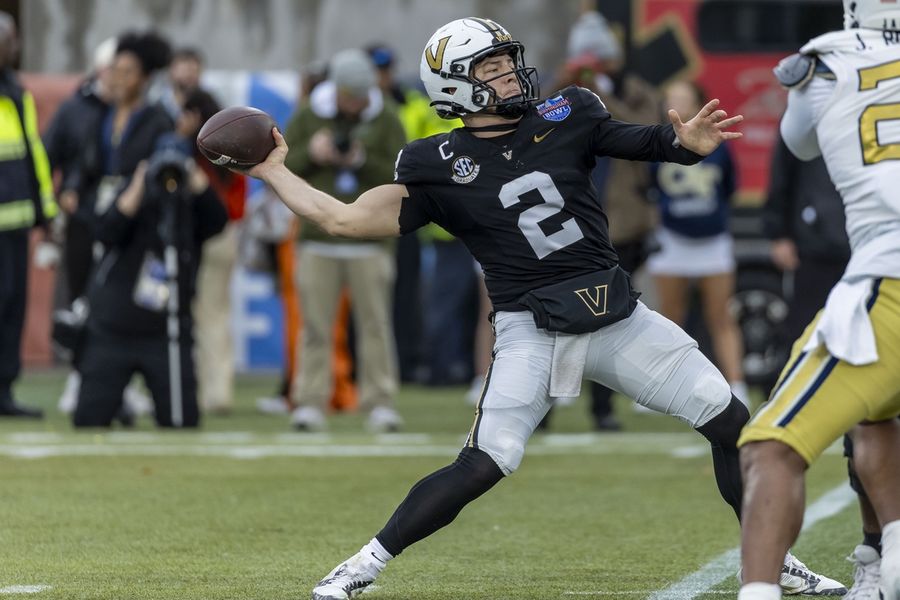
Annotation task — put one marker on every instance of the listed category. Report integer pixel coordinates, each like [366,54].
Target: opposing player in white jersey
[844,372]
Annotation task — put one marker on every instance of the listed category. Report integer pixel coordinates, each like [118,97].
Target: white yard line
[247,445]
[726,564]
[24,589]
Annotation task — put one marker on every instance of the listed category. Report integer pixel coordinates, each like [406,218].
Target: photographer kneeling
[140,301]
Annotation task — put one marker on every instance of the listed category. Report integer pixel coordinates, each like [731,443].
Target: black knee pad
[725,427]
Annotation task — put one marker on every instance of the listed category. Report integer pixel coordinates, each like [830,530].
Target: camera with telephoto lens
[342,142]
[168,170]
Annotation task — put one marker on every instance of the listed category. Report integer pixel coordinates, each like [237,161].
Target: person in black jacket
[118,136]
[804,218]
[123,134]
[128,330]
[73,127]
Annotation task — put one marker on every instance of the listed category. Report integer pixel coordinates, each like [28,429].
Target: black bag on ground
[584,303]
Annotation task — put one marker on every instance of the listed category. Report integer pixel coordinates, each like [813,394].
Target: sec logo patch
[464,170]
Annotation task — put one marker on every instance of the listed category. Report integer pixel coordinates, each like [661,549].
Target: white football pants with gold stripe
[646,357]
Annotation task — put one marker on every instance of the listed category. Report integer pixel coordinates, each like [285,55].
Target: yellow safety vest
[17,205]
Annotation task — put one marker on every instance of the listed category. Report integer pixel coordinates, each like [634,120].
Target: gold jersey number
[869,78]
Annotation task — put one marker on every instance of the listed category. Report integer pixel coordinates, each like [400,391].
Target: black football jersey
[524,204]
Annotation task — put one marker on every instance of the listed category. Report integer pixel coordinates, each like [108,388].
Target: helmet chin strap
[512,107]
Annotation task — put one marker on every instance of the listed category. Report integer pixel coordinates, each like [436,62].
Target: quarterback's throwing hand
[274,160]
[706,130]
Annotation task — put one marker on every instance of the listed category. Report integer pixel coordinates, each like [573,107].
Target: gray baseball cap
[352,71]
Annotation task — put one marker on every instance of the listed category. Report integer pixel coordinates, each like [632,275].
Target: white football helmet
[447,69]
[871,14]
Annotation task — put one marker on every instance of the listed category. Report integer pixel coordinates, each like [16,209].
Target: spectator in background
[345,141]
[118,138]
[184,73]
[804,218]
[190,106]
[212,308]
[419,120]
[158,223]
[127,131]
[343,396]
[696,244]
[596,61]
[26,200]
[407,312]
[383,58]
[71,130]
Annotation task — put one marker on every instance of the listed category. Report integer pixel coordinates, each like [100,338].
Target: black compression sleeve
[436,500]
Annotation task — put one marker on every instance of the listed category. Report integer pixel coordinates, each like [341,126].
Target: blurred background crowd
[154,276]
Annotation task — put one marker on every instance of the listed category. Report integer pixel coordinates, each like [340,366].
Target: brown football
[240,136]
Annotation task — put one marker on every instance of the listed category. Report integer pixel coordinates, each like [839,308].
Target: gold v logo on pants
[595,302]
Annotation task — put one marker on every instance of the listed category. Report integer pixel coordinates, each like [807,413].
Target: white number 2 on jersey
[530,219]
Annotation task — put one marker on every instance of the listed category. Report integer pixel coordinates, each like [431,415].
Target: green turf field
[247,509]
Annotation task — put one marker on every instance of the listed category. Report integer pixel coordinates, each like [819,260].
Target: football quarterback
[514,185]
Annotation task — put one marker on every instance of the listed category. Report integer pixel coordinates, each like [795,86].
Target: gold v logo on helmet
[436,59]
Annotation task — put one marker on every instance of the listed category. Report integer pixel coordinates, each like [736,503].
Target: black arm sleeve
[639,142]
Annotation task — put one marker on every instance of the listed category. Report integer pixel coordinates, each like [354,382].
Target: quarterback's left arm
[628,141]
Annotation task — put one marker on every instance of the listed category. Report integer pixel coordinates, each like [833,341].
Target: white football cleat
[797,578]
[347,579]
[272,405]
[308,418]
[866,574]
[889,573]
[384,419]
